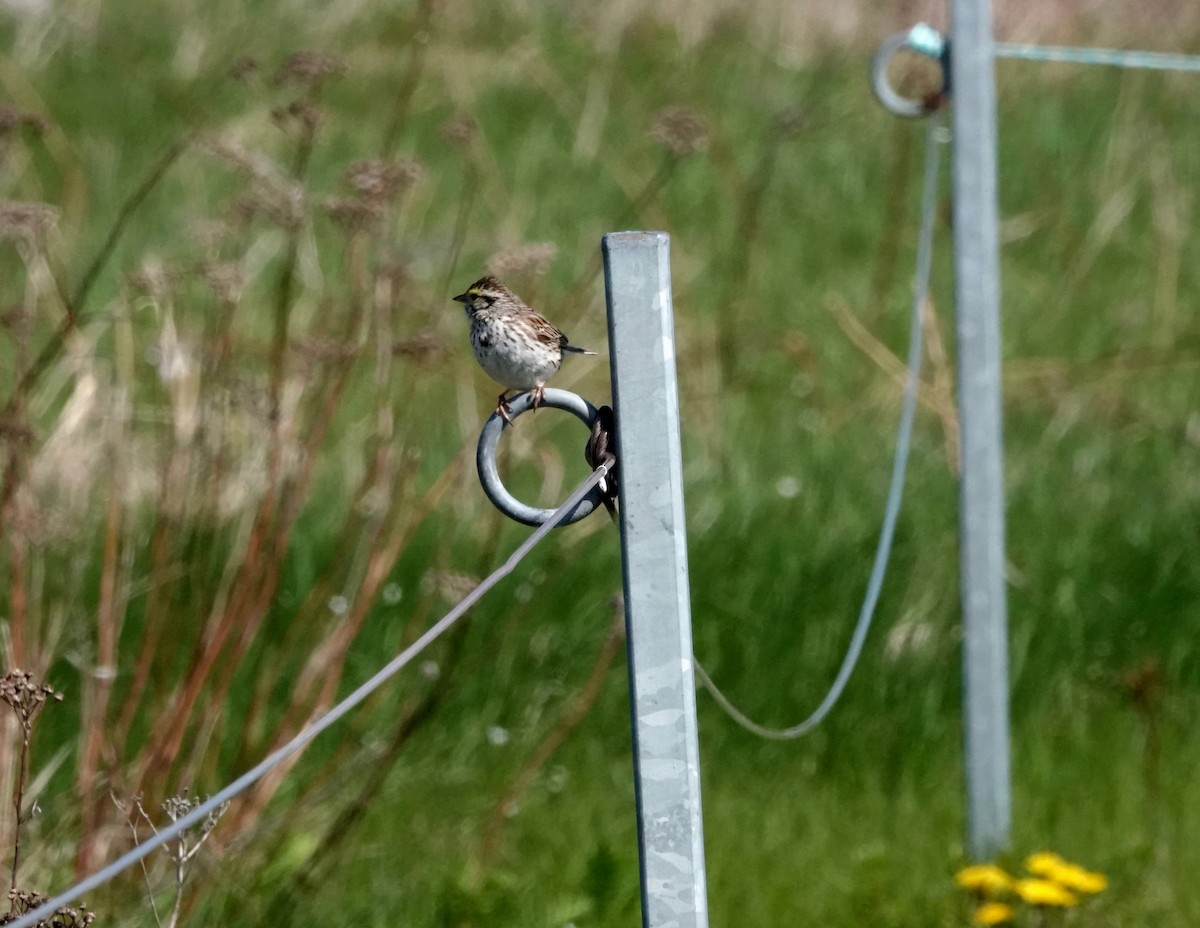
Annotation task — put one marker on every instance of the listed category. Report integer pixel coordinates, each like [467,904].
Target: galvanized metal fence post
[977,301]
[641,339]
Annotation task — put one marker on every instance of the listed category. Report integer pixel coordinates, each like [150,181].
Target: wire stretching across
[933,142]
[305,735]
[1112,57]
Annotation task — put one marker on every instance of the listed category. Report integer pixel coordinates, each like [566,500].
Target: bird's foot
[537,395]
[503,409]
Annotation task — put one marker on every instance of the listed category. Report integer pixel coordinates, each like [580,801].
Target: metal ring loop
[922,43]
[489,475]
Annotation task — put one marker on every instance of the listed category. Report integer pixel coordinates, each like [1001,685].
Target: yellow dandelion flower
[1044,863]
[1044,892]
[1051,866]
[992,913]
[1076,878]
[987,879]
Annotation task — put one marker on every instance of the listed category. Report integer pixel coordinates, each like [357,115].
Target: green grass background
[860,823]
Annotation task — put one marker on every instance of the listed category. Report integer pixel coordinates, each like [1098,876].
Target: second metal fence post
[641,338]
[977,309]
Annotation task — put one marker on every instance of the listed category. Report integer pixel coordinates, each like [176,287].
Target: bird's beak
[462,298]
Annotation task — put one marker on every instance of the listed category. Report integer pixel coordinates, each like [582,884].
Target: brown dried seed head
[421,347]
[177,806]
[308,69]
[459,129]
[226,279]
[681,131]
[155,278]
[411,173]
[284,207]
[13,118]
[272,194]
[374,180]
[530,260]
[17,319]
[24,696]
[25,521]
[28,222]
[209,234]
[244,68]
[379,181]
[305,113]
[394,275]
[250,163]
[350,213]
[792,120]
[10,118]
[26,900]
[35,122]
[15,432]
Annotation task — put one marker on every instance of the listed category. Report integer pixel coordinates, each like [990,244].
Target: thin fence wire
[305,735]
[1112,57]
[934,139]
[924,39]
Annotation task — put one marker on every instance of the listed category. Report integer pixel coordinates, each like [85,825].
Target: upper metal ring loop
[924,41]
[489,475]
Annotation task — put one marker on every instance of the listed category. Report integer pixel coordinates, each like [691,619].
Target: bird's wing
[547,330]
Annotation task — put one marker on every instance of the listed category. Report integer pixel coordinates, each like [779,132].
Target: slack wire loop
[933,141]
[304,736]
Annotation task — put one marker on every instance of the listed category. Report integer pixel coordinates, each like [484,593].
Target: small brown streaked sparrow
[517,346]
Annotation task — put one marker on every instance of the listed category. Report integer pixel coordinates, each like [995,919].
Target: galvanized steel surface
[637,278]
[977,303]
[489,473]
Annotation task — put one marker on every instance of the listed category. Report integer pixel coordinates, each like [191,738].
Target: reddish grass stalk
[329,396]
[99,685]
[258,579]
[294,496]
[161,549]
[326,663]
[246,608]
[15,536]
[18,594]
[18,798]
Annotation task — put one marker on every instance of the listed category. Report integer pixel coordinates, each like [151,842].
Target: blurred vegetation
[239,408]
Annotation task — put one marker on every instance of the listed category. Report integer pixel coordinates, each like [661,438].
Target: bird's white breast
[512,363]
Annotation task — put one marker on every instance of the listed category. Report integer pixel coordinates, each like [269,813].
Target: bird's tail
[574,350]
